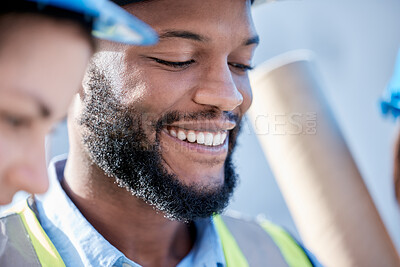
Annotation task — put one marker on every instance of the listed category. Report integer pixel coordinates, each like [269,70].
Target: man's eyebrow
[183,34]
[200,38]
[252,40]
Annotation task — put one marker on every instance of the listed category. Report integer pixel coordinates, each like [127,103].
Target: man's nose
[218,89]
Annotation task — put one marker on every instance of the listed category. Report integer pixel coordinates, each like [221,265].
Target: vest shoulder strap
[293,253]
[248,243]
[44,250]
[16,248]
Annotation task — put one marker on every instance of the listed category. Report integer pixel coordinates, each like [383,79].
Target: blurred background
[355,43]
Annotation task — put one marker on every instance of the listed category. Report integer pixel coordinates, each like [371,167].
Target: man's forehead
[126,2]
[189,35]
[180,18]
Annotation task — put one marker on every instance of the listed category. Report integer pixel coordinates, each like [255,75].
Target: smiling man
[163,120]
[152,133]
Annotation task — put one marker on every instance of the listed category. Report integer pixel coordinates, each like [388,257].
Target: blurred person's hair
[15,13]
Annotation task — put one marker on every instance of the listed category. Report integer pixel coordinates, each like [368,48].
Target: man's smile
[208,138]
[204,138]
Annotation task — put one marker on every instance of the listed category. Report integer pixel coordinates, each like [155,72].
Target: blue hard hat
[110,21]
[390,101]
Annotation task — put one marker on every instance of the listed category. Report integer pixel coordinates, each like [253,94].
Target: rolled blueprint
[313,166]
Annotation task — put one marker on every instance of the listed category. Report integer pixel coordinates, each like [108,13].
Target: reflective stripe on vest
[251,244]
[25,238]
[15,246]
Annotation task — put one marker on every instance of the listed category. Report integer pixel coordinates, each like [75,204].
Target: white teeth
[208,140]
[191,136]
[200,138]
[173,133]
[223,137]
[181,135]
[217,139]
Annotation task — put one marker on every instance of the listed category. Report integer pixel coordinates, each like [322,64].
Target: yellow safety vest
[27,244]
[249,243]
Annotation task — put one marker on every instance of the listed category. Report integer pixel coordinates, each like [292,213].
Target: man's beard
[116,141]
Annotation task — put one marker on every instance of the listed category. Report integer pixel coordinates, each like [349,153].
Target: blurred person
[390,106]
[44,49]
[152,134]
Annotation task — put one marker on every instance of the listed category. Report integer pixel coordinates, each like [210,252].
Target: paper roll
[312,164]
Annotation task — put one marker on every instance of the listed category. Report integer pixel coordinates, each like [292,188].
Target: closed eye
[241,67]
[15,122]
[174,64]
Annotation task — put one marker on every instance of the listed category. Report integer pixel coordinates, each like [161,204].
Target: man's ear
[75,104]
[81,93]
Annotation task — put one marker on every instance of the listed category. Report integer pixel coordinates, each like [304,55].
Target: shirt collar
[79,243]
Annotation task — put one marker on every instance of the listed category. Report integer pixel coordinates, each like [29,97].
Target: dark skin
[214,53]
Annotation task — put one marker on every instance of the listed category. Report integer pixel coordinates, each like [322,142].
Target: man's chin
[199,177]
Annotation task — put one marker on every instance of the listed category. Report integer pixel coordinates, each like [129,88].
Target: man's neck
[141,233]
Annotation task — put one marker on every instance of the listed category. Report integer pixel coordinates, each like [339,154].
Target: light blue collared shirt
[79,243]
